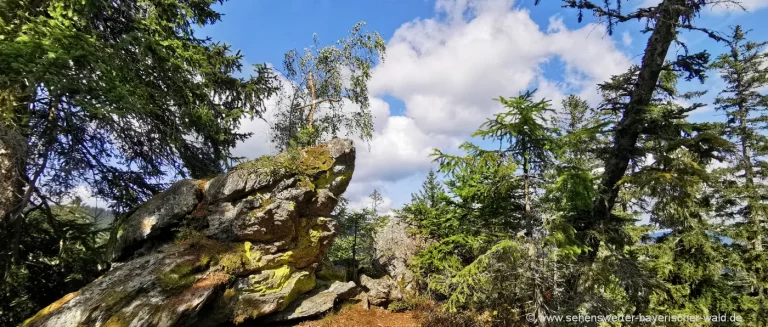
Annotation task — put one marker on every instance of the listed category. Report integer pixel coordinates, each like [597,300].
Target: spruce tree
[689,260]
[744,68]
[579,142]
[493,248]
[427,211]
[524,130]
[431,191]
[581,133]
[665,21]
[120,95]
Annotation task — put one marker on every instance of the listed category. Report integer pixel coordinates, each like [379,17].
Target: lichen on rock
[237,247]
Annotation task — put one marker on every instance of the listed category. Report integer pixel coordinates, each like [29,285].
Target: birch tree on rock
[327,92]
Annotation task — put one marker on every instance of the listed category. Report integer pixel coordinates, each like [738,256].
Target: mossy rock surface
[247,244]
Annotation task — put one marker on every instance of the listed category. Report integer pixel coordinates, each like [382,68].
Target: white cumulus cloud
[739,6]
[447,69]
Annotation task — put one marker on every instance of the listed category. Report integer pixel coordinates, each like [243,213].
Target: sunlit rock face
[233,248]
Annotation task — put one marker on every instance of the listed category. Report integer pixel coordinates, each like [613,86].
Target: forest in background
[123,97]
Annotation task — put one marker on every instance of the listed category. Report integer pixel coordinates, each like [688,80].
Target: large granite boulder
[239,246]
[395,246]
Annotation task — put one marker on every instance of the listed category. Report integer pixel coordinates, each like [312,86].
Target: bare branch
[313,104]
[717,36]
[599,11]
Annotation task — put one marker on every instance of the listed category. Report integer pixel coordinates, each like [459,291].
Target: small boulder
[315,303]
[344,291]
[309,305]
[381,291]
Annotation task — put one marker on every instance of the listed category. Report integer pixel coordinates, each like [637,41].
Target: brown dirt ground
[354,315]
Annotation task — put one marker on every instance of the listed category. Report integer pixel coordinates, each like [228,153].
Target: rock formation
[395,245]
[233,248]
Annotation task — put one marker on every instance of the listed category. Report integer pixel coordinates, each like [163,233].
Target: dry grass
[356,316]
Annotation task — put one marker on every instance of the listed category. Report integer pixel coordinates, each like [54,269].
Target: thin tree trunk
[529,224]
[313,106]
[17,215]
[13,156]
[13,153]
[354,254]
[746,156]
[525,187]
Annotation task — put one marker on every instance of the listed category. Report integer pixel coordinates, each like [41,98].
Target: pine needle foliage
[742,192]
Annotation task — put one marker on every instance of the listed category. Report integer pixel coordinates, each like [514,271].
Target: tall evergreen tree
[744,68]
[431,190]
[523,130]
[118,96]
[580,127]
[667,19]
[490,233]
[578,145]
[688,261]
[426,211]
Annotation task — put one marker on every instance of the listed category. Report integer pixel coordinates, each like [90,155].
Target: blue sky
[446,59]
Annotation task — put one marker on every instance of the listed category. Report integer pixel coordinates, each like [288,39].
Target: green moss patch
[305,161]
[306,183]
[182,275]
[314,160]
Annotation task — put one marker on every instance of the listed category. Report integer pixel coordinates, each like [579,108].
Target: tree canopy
[118,96]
